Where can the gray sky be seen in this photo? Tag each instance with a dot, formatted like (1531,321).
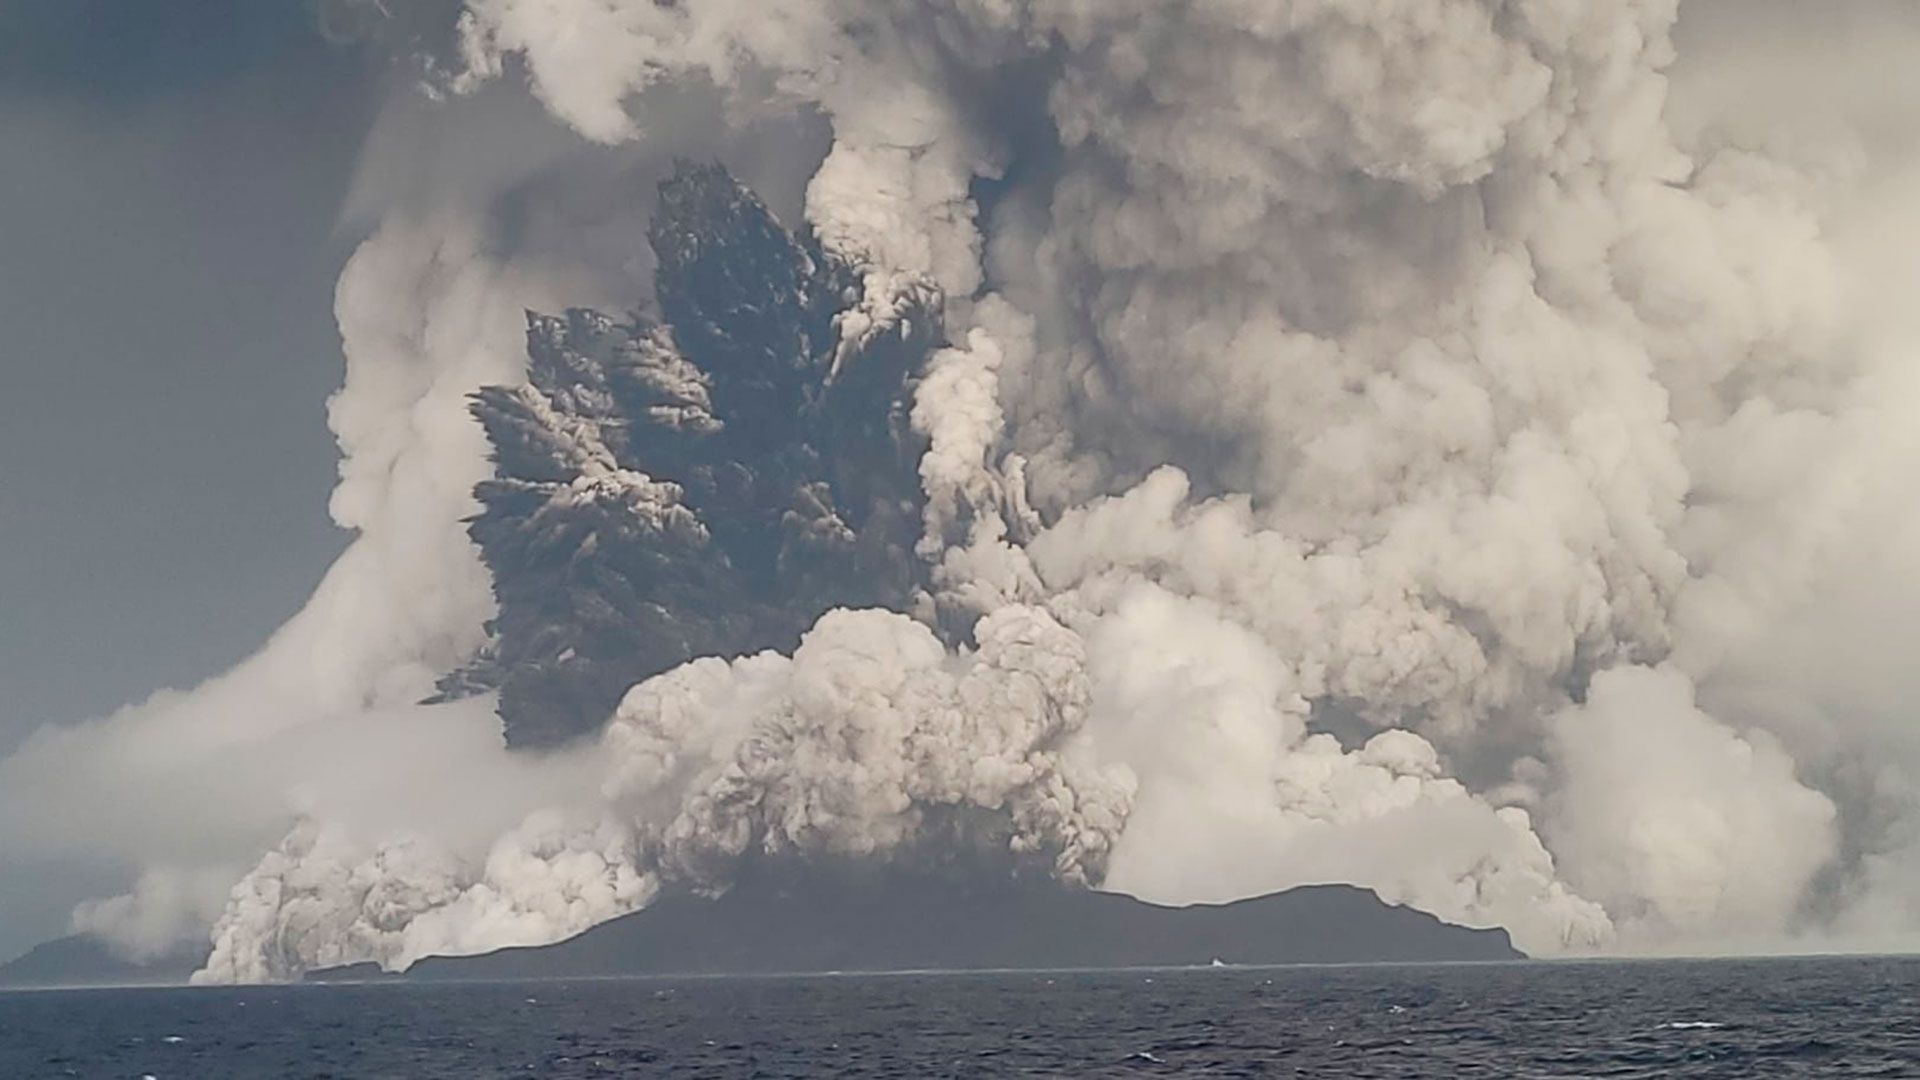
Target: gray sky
(173,174)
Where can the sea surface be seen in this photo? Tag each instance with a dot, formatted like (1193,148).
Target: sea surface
(1771,1018)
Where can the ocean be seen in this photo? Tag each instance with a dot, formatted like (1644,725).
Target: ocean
(1752,1018)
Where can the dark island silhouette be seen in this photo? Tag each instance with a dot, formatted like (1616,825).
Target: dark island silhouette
(842,921)
(857,923)
(85,961)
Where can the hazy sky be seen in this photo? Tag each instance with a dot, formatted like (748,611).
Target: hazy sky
(173,177)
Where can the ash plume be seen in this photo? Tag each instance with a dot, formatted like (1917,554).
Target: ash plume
(1186,449)
(705,485)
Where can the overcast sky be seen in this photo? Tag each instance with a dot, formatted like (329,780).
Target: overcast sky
(174,173)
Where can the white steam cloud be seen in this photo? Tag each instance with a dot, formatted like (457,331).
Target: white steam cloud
(1404,445)
(848,748)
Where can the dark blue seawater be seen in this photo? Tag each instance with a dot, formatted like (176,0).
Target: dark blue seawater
(1776,1018)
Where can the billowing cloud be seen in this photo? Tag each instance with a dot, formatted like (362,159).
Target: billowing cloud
(1668,816)
(1369,444)
(869,737)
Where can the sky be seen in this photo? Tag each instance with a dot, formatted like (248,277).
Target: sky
(170,203)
